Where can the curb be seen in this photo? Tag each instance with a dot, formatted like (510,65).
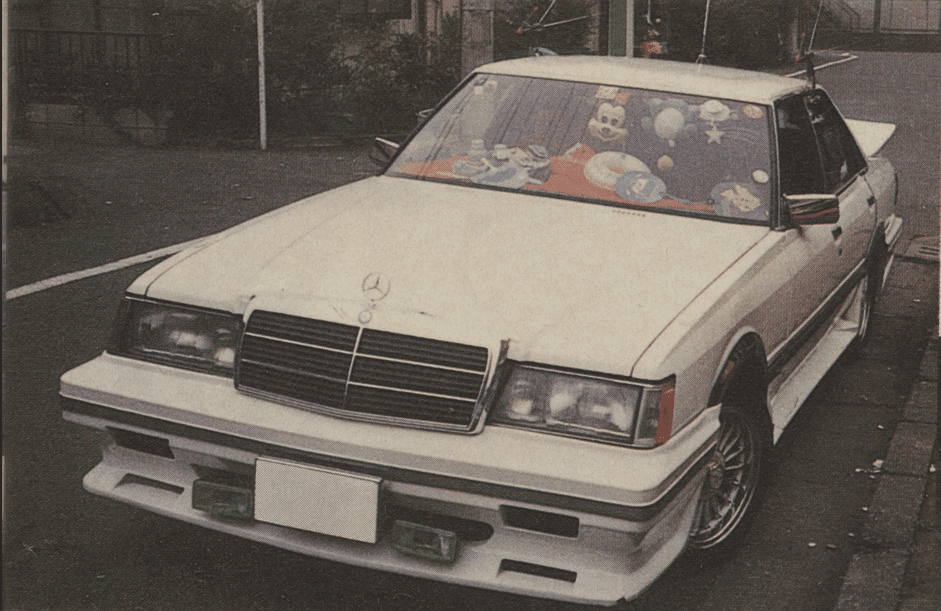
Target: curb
(875,575)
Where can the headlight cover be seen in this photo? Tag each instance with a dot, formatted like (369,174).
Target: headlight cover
(177,335)
(582,405)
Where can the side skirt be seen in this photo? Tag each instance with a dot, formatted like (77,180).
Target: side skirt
(825,351)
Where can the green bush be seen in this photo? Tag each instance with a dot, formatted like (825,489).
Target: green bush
(208,71)
(303,66)
(389,83)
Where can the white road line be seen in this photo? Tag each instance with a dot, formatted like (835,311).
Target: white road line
(101,269)
(821,67)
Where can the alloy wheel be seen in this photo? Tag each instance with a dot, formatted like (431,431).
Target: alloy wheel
(865,307)
(731,481)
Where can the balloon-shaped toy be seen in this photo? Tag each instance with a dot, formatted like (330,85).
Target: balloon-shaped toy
(672,119)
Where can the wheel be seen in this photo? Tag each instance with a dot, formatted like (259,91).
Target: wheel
(867,298)
(868,289)
(733,479)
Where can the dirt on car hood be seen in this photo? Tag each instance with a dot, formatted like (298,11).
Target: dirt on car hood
(566,283)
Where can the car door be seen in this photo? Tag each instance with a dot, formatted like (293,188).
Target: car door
(844,169)
(818,154)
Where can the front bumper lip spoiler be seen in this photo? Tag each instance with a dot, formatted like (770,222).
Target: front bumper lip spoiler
(632,513)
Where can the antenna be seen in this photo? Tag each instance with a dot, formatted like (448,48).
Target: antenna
(705,27)
(809,55)
(809,66)
(813,33)
(540,26)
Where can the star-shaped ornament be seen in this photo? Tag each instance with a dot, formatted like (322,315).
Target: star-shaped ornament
(715,135)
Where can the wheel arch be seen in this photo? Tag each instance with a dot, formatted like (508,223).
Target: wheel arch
(877,256)
(744,372)
(745,437)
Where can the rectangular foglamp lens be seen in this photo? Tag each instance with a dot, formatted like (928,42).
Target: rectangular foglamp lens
(222,500)
(424,541)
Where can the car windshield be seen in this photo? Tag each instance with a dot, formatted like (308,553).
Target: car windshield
(599,143)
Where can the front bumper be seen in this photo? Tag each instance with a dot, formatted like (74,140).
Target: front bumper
(528,540)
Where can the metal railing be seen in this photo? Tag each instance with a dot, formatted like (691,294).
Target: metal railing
(58,66)
(910,16)
(845,16)
(880,16)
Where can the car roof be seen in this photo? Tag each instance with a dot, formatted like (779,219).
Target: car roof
(656,75)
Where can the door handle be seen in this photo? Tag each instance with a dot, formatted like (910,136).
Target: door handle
(837,232)
(871,201)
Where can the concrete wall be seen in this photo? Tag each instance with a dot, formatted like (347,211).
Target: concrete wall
(73,122)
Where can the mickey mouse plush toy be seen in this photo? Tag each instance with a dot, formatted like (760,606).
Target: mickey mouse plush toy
(608,123)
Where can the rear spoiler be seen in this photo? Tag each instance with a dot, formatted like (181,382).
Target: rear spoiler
(870,135)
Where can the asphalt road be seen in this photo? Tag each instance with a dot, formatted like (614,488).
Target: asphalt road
(66,549)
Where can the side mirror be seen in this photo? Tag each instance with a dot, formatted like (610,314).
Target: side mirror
(814,208)
(382,151)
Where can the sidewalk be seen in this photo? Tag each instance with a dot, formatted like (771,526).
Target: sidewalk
(898,567)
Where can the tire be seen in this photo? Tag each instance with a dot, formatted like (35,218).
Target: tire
(867,300)
(869,288)
(734,479)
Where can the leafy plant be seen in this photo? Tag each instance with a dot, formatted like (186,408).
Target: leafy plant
(316,85)
(206,58)
(389,83)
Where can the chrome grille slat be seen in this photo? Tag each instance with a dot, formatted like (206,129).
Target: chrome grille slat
(430,395)
(296,343)
(419,349)
(292,371)
(321,333)
(406,362)
(292,356)
(391,403)
(362,373)
(415,377)
(303,388)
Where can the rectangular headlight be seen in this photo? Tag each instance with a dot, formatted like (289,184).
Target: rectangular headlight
(583,405)
(177,335)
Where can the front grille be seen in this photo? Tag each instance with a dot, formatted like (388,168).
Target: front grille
(361,373)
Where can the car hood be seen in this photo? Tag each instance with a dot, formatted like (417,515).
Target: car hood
(556,281)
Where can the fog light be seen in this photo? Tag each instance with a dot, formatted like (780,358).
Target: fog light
(222,500)
(424,541)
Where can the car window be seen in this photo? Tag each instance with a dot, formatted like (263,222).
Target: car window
(593,142)
(840,155)
(799,158)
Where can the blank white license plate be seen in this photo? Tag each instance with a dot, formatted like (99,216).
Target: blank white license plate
(317,499)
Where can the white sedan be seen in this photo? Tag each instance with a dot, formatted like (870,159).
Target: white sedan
(545,352)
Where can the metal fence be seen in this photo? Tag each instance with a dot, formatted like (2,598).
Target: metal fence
(881,16)
(68,66)
(842,14)
(910,16)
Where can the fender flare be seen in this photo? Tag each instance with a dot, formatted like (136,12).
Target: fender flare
(745,357)
(877,256)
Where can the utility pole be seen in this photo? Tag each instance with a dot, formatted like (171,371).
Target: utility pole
(262,112)
(476,34)
(621,28)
